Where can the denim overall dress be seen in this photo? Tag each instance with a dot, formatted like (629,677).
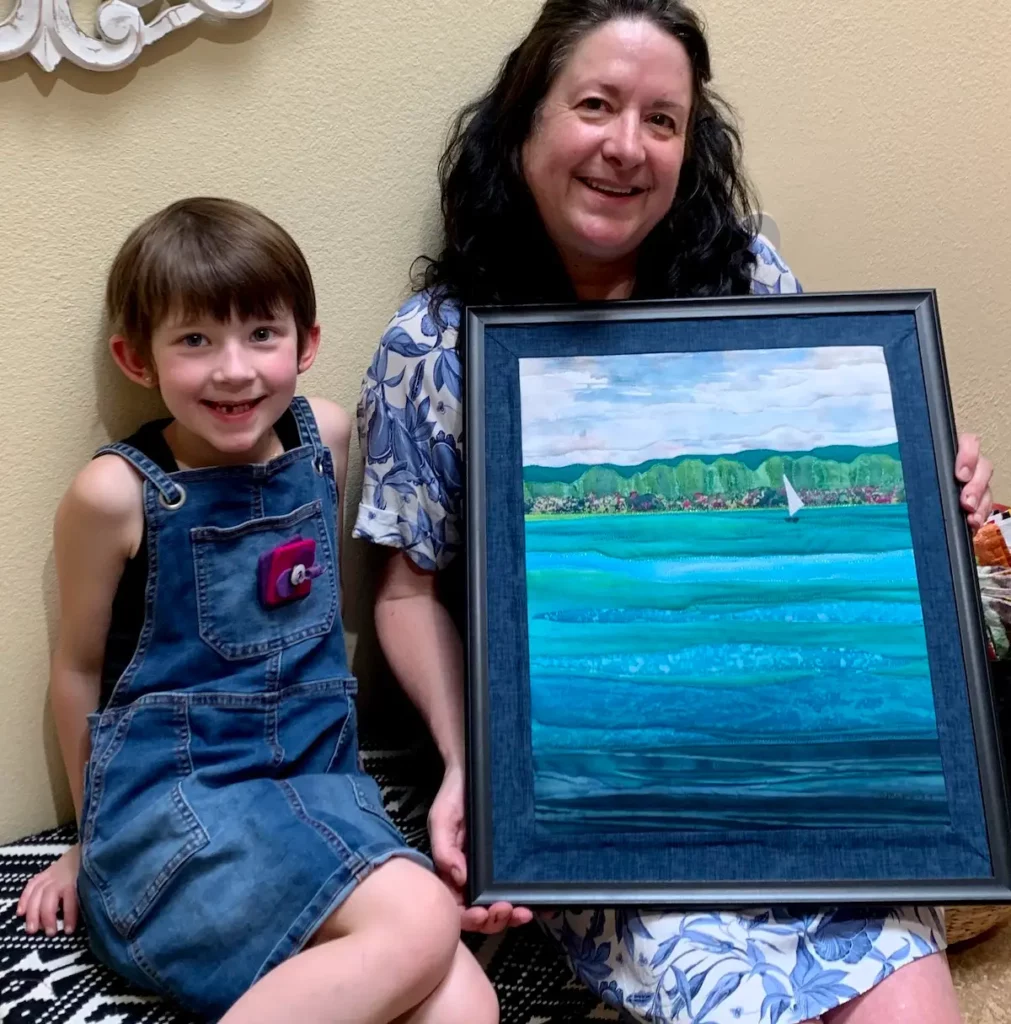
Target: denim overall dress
(225,814)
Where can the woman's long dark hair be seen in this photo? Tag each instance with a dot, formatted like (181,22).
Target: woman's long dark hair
(495,247)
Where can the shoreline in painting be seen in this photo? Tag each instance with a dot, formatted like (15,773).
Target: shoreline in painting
(824,477)
(533,517)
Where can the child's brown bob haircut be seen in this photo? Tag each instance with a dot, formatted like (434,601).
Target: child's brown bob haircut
(207,257)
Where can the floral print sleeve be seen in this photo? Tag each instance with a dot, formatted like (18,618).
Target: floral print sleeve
(771,275)
(410,415)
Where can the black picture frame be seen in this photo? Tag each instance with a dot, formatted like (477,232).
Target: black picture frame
(495,339)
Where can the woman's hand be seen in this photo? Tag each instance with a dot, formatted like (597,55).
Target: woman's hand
(447,829)
(974,472)
(47,891)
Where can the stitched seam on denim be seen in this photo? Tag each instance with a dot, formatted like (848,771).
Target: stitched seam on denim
(257,510)
(111,747)
(273,740)
(245,472)
(135,954)
(273,673)
(363,802)
(304,417)
(201,536)
(336,900)
(224,699)
(149,469)
(295,801)
(198,839)
(271,716)
(151,531)
(127,923)
(216,533)
(186,748)
(331,477)
(339,746)
(99,768)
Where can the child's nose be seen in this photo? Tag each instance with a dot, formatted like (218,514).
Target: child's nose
(234,365)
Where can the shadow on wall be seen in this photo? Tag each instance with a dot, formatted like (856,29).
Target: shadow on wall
(60,789)
(224,32)
(121,405)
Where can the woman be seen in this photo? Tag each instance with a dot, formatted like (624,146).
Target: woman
(601,165)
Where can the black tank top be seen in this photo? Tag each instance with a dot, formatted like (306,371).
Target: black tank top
(128,605)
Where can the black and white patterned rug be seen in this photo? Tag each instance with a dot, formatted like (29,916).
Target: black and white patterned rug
(56,981)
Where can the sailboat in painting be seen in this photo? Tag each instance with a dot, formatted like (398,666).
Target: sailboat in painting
(793,500)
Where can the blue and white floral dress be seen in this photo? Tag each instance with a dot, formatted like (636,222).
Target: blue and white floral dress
(768,967)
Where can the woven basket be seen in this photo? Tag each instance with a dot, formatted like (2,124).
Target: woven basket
(969,922)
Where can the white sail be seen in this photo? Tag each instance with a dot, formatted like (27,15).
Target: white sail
(793,499)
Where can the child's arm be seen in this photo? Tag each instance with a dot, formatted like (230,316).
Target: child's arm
(99,525)
(335,432)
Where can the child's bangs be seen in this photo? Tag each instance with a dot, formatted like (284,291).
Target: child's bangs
(244,285)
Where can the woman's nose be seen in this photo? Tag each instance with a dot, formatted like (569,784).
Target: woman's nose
(623,145)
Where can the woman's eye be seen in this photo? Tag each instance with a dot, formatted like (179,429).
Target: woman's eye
(594,103)
(262,334)
(664,121)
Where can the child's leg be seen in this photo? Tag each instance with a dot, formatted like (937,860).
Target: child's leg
(921,991)
(466,996)
(380,954)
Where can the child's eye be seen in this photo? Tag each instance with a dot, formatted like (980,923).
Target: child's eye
(262,334)
(193,340)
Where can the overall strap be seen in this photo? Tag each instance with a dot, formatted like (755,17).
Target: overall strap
(170,494)
(307,429)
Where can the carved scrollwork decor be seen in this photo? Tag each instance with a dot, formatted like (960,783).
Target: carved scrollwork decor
(48,31)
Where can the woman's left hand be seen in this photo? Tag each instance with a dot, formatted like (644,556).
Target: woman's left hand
(974,471)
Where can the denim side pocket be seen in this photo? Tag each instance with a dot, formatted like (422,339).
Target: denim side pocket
(231,618)
(132,866)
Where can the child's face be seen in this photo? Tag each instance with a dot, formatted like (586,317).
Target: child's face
(229,383)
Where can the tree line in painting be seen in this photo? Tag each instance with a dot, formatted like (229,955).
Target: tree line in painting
(838,475)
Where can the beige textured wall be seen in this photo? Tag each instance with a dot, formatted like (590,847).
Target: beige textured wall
(878,135)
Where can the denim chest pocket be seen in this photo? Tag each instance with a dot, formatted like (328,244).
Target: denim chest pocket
(231,617)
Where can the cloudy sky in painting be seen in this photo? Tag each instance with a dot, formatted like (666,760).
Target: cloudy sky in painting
(627,409)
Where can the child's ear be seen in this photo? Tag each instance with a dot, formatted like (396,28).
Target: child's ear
(131,363)
(309,349)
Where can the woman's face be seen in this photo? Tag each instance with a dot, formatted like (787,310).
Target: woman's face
(605,152)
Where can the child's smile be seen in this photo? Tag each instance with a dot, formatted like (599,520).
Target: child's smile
(233,411)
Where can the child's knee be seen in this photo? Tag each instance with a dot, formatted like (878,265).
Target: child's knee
(425,930)
(468,997)
(431,914)
(482,1002)
(416,911)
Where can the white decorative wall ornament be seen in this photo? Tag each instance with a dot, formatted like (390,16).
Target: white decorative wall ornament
(48,31)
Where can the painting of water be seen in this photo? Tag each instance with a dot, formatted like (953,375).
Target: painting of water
(724,618)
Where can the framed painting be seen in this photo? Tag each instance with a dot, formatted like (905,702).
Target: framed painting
(724,638)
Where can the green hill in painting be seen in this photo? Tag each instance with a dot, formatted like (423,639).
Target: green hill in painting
(843,474)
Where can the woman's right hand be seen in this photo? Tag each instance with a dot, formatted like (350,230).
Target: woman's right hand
(47,891)
(447,830)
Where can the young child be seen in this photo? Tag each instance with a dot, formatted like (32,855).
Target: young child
(233,856)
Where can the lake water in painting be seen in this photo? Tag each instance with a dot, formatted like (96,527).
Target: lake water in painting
(729,669)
